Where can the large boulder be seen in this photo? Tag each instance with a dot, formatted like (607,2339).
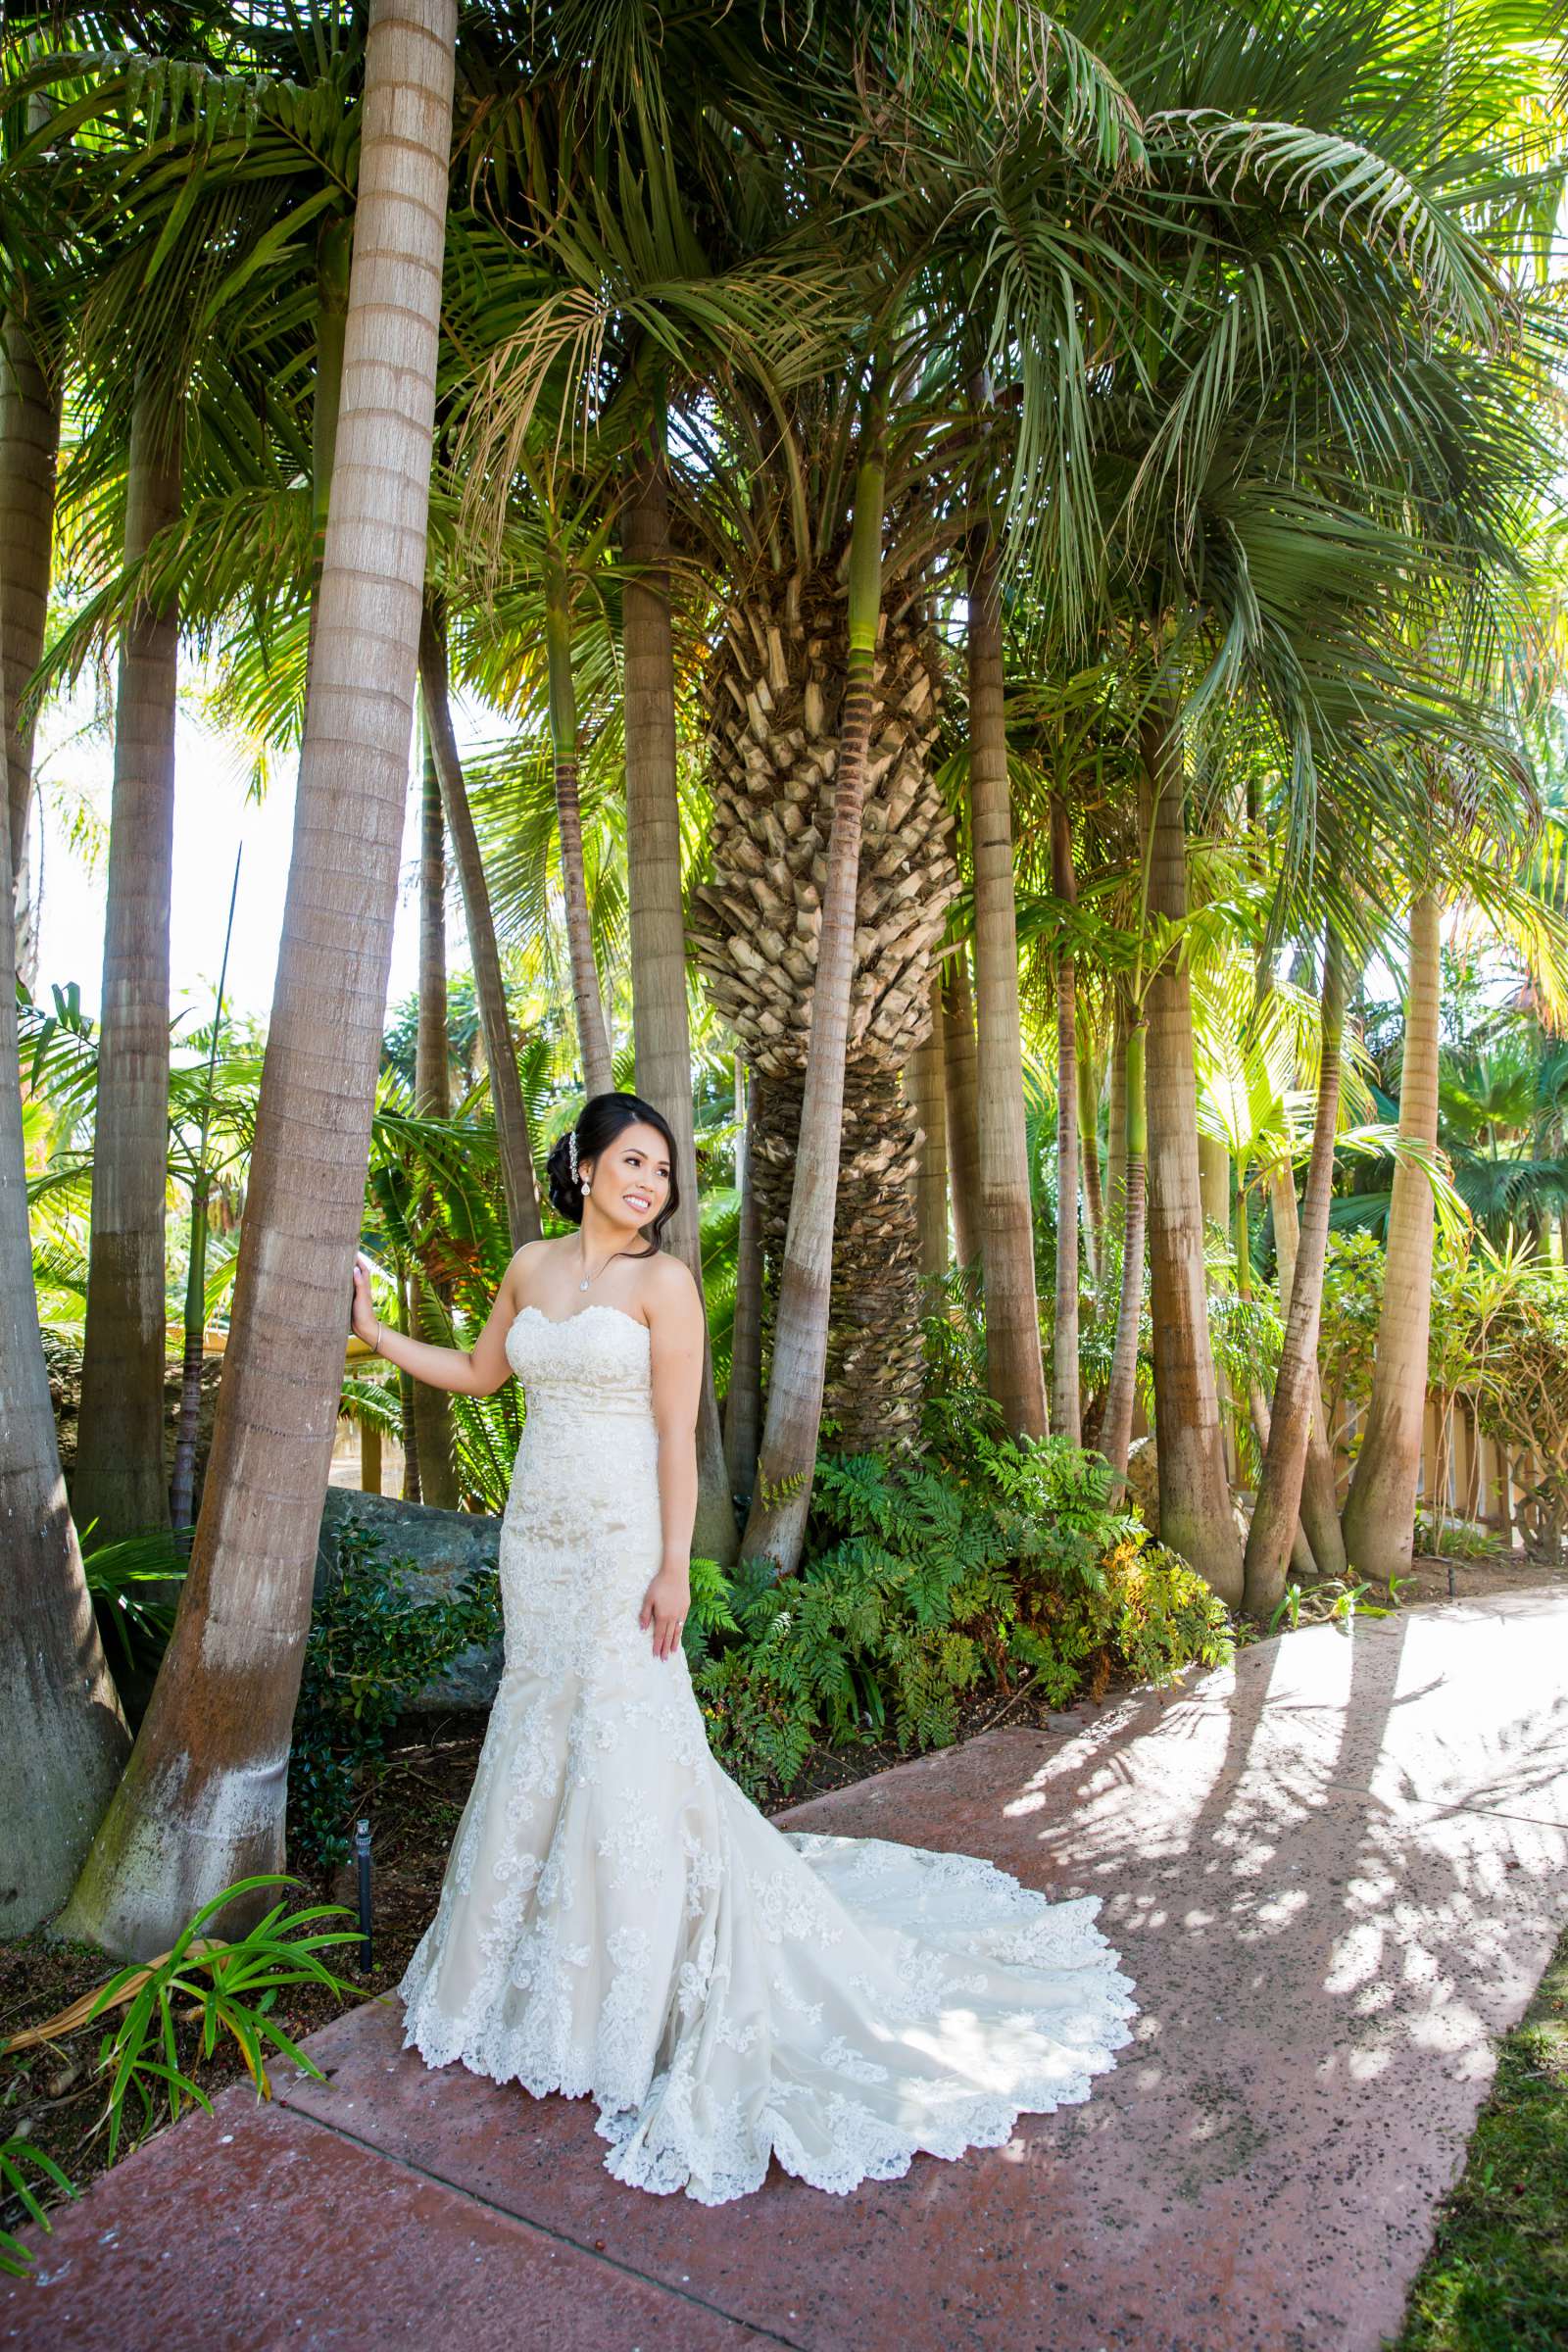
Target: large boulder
(439,1549)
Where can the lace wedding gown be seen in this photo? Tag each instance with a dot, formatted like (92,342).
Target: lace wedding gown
(618,1920)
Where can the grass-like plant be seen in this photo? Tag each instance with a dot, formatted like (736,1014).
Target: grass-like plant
(228,1987)
(17,2157)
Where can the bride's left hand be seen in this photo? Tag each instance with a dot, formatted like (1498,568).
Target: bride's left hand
(664,1607)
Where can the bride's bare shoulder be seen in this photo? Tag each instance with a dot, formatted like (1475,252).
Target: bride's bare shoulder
(526,1264)
(666,1288)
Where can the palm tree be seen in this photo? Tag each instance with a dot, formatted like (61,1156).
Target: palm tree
(775,1526)
(202,1801)
(775,694)
(662,1027)
(1064,1399)
(505,1089)
(1015,1366)
(960,1088)
(119,1483)
(64,1737)
(1194,1505)
(1379,1515)
(432,1100)
(29,442)
(1298,1394)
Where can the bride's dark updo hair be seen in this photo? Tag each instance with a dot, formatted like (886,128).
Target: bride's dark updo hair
(602,1118)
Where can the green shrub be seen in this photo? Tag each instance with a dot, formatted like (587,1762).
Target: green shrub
(926,1578)
(371,1647)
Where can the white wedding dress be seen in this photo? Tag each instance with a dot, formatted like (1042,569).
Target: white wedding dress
(618,1920)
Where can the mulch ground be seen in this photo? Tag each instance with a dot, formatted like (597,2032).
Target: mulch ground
(51,2095)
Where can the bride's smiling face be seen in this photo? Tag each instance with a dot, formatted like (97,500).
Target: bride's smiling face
(630,1178)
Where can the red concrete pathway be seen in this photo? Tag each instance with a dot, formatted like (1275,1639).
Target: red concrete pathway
(1334,1875)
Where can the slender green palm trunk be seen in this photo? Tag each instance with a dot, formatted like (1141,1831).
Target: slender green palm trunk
(658,918)
(501,1053)
(1320,1505)
(1194,1505)
(1116,1421)
(120,1481)
(429,1303)
(926,1082)
(1295,1389)
(1065,1409)
(593,1037)
(1015,1366)
(30,444)
(63,1739)
(1380,1509)
(960,1087)
(1088,1081)
(202,1803)
(743,1404)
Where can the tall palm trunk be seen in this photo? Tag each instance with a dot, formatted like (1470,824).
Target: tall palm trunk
(432,1100)
(1015,1368)
(1117,1119)
(1116,1421)
(1089,1147)
(1320,1503)
(63,1739)
(119,1478)
(743,1405)
(658,919)
(592,1036)
(961,1081)
(1295,1389)
(927,1088)
(506,1087)
(1065,1409)
(30,443)
(202,1801)
(775,1526)
(1195,1506)
(1380,1509)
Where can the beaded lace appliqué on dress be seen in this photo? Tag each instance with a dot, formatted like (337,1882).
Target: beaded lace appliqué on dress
(618,1921)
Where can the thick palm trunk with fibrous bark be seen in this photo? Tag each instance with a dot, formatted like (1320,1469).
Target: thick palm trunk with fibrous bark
(63,1739)
(432,1100)
(662,1029)
(1116,1421)
(961,1083)
(1296,1389)
(1195,1505)
(925,1080)
(506,1088)
(1380,1509)
(775,697)
(1065,1409)
(119,1476)
(1015,1366)
(775,1526)
(30,443)
(202,1802)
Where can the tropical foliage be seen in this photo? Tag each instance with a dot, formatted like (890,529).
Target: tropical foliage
(976,603)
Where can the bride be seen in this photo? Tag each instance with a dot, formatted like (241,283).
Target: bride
(616,1919)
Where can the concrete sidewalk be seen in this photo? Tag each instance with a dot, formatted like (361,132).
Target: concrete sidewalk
(1335,1875)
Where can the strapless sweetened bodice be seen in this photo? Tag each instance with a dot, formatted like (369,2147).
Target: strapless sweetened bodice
(582,1533)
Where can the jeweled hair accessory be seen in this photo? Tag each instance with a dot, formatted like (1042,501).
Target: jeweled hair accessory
(571,1154)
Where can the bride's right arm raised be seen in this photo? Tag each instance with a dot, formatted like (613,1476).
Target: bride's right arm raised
(476,1371)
